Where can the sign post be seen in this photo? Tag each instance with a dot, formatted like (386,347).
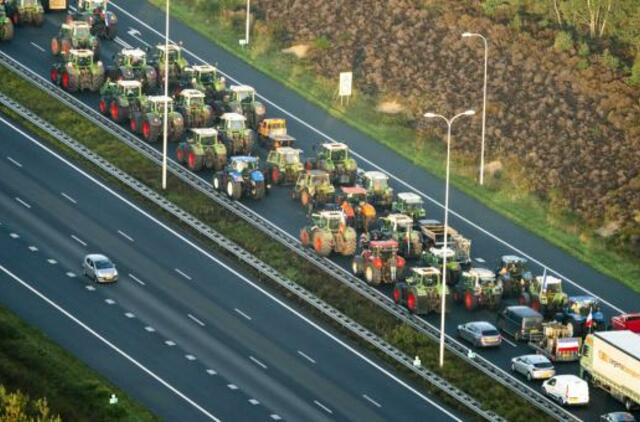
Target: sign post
(344,90)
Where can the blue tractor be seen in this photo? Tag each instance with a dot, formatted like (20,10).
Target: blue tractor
(241,176)
(576,311)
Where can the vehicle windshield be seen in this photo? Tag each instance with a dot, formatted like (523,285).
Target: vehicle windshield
(206,77)
(132,92)
(173,56)
(583,308)
(378,184)
(320,180)
(208,140)
(291,157)
(103,265)
(137,61)
(531,322)
(82,32)
(235,124)
(339,155)
(84,61)
(334,223)
(245,96)
(196,101)
(29,2)
(160,105)
(554,288)
(515,268)
(412,206)
(490,332)
(239,165)
(486,279)
(543,365)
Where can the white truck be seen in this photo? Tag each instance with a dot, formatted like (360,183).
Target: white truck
(611,361)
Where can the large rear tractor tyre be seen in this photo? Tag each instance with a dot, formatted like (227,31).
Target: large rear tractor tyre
(180,155)
(259,191)
(305,237)
(234,190)
(117,114)
(103,107)
(372,275)
(356,266)
(470,301)
(396,295)
(305,198)
(194,162)
(321,243)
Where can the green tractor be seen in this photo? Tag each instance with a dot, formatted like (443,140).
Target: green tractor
(411,204)
(234,133)
(478,287)
(421,292)
(190,103)
(313,188)
(379,193)
(121,99)
(335,159)
(204,78)
(177,63)
(513,273)
(24,12)
(149,120)
(131,64)
(103,22)
(6,25)
(328,233)
(545,295)
(74,34)
(399,227)
(458,253)
(202,149)
(241,99)
(79,72)
(284,165)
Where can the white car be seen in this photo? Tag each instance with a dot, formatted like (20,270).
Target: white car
(567,389)
(99,268)
(534,367)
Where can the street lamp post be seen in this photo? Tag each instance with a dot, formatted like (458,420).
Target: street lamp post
(166,97)
(446,220)
(484,98)
(246,27)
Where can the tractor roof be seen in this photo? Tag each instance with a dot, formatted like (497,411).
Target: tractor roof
(78,24)
(241,88)
(81,52)
(172,47)
(288,150)
(384,244)
(317,172)
(232,116)
(160,99)
(334,146)
(331,214)
(274,121)
(191,93)
(549,280)
(400,219)
(429,222)
(440,252)
(205,131)
(426,271)
(375,175)
(203,68)
(244,158)
(354,190)
(129,84)
(481,272)
(583,299)
(509,259)
(133,52)
(410,198)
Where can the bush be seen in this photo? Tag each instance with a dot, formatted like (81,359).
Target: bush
(563,41)
(635,72)
(584,50)
(609,60)
(322,43)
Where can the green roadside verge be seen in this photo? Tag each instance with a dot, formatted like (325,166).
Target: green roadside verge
(492,396)
(506,193)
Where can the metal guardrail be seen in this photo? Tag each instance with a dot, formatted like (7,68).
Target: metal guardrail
(252,261)
(264,225)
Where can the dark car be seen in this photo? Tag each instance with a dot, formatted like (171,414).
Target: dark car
(521,322)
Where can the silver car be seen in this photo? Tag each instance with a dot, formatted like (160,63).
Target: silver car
(534,367)
(480,334)
(99,268)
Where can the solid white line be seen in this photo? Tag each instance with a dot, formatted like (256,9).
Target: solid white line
(182,274)
(196,320)
(190,357)
(257,362)
(23,202)
(52,261)
(126,236)
(109,344)
(369,399)
(231,270)
(306,356)
(242,313)
(38,47)
(77,239)
(33,248)
(136,279)
(69,198)
(509,342)
(323,407)
(14,235)
(16,162)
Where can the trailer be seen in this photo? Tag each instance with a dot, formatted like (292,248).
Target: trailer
(557,343)
(611,360)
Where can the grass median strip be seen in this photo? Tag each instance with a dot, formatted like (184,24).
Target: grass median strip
(492,396)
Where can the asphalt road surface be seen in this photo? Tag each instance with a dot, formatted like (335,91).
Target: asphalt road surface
(492,234)
(189,335)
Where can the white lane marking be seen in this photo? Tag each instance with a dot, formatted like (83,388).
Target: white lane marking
(254,402)
(211,372)
(135,34)
(275,416)
(23,202)
(242,313)
(90,287)
(187,276)
(257,362)
(77,239)
(136,279)
(150,329)
(122,42)
(126,236)
(509,342)
(14,235)
(52,261)
(196,320)
(110,301)
(71,274)
(323,407)
(111,345)
(190,357)
(129,315)
(228,268)
(14,161)
(33,248)
(370,400)
(232,386)
(38,47)
(170,343)
(480,260)
(304,355)
(73,201)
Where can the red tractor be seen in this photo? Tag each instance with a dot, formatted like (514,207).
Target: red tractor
(379,262)
(629,322)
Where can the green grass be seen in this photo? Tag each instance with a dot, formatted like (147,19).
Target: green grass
(491,396)
(507,194)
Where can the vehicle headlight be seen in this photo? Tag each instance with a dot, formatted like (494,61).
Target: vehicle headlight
(260,109)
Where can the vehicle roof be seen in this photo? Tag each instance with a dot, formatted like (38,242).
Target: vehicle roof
(203,67)
(81,52)
(440,252)
(331,213)
(353,190)
(583,298)
(335,146)
(425,270)
(79,23)
(191,93)
(483,325)
(481,272)
(512,258)
(97,257)
(136,52)
(375,175)
(409,197)
(570,378)
(171,47)
(233,116)
(621,416)
(205,131)
(288,150)
(622,339)
(430,222)
(535,358)
(159,99)
(130,84)
(241,88)
(400,218)
(549,279)
(275,120)
(245,158)
(524,311)
(383,244)
(317,172)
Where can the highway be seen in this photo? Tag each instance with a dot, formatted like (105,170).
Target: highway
(492,234)
(183,331)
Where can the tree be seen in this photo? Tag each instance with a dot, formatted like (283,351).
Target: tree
(592,15)
(16,407)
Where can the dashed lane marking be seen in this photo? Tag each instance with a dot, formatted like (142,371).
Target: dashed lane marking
(254,402)
(14,235)
(190,357)
(187,276)
(14,161)
(370,400)
(71,274)
(136,279)
(129,315)
(52,261)
(211,372)
(323,407)
(170,343)
(242,313)
(110,301)
(232,386)
(33,248)
(90,288)
(275,417)
(77,239)
(38,47)
(257,362)
(150,329)
(70,199)
(23,202)
(126,236)
(307,357)
(196,320)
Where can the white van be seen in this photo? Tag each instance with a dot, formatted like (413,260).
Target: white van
(567,389)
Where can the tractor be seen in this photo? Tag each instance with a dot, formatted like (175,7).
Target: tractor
(149,120)
(379,262)
(313,188)
(409,203)
(353,201)
(284,165)
(242,176)
(191,105)
(544,295)
(512,271)
(131,64)
(576,313)
(272,134)
(6,25)
(379,192)
(422,291)
(241,99)
(25,12)
(234,133)
(104,23)
(478,287)
(74,34)
(334,158)
(458,252)
(55,5)
(399,227)
(202,149)
(78,72)
(204,78)
(121,99)
(329,232)
(177,63)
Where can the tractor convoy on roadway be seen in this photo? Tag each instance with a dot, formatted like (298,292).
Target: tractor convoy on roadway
(387,236)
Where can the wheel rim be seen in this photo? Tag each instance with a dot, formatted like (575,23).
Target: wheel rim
(396,295)
(275,175)
(230,188)
(317,243)
(115,111)
(55,47)
(180,156)
(468,300)
(354,267)
(216,183)
(192,160)
(304,198)
(368,274)
(146,130)
(54,75)
(304,237)
(65,80)
(134,125)
(103,106)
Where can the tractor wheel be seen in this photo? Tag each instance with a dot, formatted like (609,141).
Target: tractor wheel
(411,302)
(65,46)
(259,191)
(7,32)
(305,198)
(276,175)
(219,162)
(54,75)
(470,301)
(372,275)
(217,182)
(149,133)
(116,112)
(64,80)
(349,242)
(524,299)
(396,295)
(535,304)
(356,266)
(194,161)
(457,298)
(180,154)
(73,82)
(304,237)
(103,107)
(234,190)
(321,244)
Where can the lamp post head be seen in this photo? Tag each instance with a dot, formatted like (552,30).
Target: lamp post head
(469,112)
(467,34)
(430,115)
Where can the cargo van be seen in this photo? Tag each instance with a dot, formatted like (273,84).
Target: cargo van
(521,322)
(567,389)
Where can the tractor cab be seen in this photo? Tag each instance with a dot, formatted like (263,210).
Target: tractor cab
(207,76)
(336,152)
(273,127)
(438,254)
(80,58)
(424,276)
(27,3)
(157,103)
(243,94)
(397,223)
(480,277)
(354,195)
(233,122)
(583,305)
(131,89)
(287,156)
(78,30)
(203,136)
(375,181)
(514,266)
(318,178)
(92,6)
(547,285)
(173,53)
(191,98)
(242,163)
(384,249)
(133,57)
(331,220)
(410,204)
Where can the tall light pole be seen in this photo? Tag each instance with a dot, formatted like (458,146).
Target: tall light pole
(246,28)
(484,98)
(446,220)
(166,99)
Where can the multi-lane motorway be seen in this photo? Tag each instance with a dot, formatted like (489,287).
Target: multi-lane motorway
(183,331)
(491,233)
